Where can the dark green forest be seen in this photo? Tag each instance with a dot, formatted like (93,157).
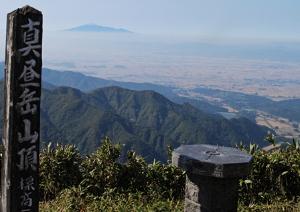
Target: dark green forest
(143,121)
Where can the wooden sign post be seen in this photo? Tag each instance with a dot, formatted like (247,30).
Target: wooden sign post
(21,136)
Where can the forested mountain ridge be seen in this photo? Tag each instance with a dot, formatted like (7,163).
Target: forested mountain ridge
(144,121)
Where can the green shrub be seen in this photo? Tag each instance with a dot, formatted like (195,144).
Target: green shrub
(166,179)
(134,174)
(62,167)
(69,200)
(100,170)
(152,179)
(274,175)
(59,169)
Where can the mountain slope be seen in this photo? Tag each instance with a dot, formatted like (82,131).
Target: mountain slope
(141,120)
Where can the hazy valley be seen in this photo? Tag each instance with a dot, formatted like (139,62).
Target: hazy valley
(221,78)
(265,68)
(281,116)
(182,64)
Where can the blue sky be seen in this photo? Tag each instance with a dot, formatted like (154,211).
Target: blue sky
(278,19)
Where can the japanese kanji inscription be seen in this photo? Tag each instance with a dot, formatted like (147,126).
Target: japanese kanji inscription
(23,64)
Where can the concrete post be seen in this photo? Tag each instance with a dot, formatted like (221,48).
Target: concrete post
(212,176)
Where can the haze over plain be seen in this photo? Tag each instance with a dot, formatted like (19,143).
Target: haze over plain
(248,46)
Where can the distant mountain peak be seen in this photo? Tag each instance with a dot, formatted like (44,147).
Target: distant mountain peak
(97,28)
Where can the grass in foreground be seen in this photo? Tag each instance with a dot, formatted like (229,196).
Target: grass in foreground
(273,207)
(71,200)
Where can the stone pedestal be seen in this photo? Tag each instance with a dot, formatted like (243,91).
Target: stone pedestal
(212,176)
